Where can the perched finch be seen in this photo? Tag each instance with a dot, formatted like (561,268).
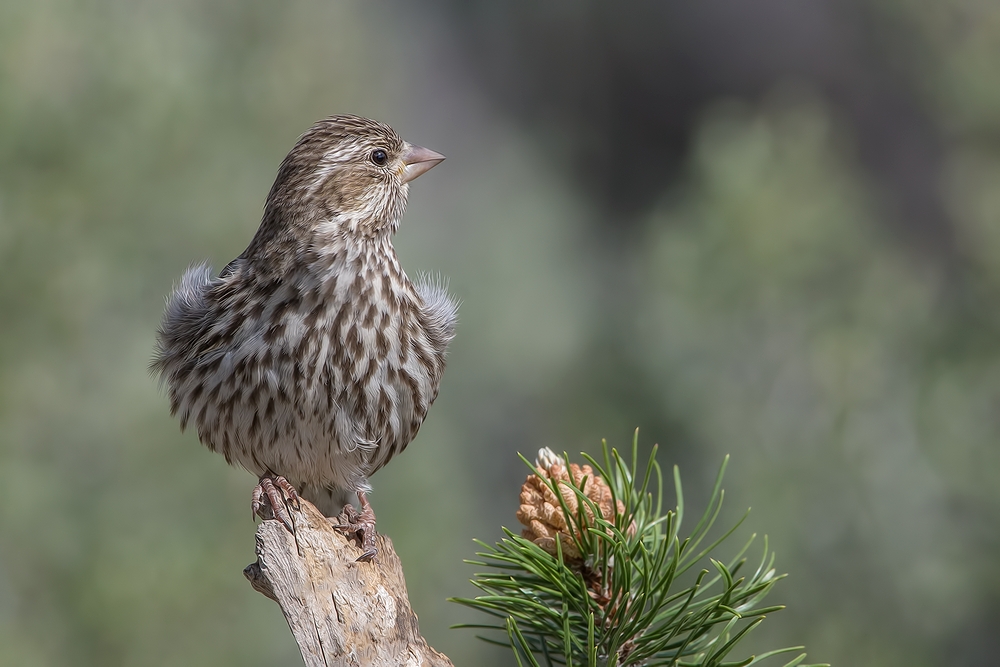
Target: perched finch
(312,359)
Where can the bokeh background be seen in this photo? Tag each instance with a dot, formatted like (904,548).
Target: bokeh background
(769,229)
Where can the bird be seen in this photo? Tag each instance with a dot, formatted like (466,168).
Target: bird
(312,359)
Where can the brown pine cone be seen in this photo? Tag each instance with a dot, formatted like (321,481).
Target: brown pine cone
(541,513)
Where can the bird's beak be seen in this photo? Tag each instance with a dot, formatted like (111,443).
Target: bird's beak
(418,160)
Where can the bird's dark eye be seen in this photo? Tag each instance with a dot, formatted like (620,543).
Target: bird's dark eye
(379,157)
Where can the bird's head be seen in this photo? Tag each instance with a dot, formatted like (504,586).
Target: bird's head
(347,175)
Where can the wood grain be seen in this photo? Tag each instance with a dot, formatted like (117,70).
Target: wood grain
(341,612)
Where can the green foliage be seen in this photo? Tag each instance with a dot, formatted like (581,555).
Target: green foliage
(636,598)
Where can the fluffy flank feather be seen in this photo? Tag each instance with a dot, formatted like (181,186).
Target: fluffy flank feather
(440,307)
(184,317)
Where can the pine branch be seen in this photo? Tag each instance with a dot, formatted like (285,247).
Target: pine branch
(602,577)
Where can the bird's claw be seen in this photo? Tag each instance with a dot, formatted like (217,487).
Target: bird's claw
(361,527)
(279,496)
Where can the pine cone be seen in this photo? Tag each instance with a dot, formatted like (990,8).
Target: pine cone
(541,512)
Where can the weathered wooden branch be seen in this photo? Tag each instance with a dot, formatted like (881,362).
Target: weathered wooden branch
(341,612)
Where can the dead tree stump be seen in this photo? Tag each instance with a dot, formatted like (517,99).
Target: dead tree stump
(340,612)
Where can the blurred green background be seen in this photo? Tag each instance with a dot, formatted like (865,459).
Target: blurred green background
(769,229)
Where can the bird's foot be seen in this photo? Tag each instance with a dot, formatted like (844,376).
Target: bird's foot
(361,527)
(279,495)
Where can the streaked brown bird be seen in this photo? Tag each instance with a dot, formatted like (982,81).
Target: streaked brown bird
(312,359)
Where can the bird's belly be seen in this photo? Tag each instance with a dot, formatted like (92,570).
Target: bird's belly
(326,426)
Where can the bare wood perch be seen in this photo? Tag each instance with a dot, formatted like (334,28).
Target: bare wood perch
(341,612)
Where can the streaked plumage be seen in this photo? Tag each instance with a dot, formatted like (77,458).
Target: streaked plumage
(312,356)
